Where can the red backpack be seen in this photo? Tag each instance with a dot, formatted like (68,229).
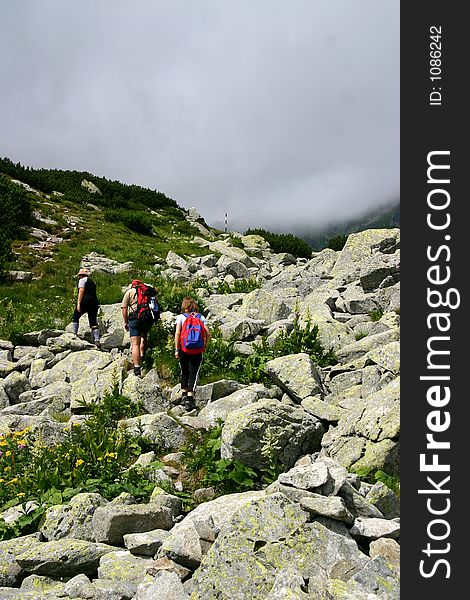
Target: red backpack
(146,296)
(192,334)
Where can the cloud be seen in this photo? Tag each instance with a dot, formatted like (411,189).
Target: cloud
(278,113)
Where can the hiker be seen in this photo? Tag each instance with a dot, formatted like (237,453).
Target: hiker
(87,302)
(139,311)
(191,338)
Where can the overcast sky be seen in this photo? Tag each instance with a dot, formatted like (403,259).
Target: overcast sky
(278,112)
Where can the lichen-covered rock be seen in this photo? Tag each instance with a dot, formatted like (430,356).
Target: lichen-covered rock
(121,565)
(327,506)
(74,367)
(14,385)
(380,578)
(112,522)
(266,536)
(296,374)
(358,349)
(67,341)
(373,528)
(269,426)
(165,586)
(305,477)
(264,304)
(160,428)
(146,543)
(73,519)
(359,248)
(146,390)
(388,549)
(385,500)
(61,558)
(221,408)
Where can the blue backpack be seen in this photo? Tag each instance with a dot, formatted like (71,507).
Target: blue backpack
(192,334)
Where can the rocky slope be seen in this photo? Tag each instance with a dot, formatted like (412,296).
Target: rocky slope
(318,531)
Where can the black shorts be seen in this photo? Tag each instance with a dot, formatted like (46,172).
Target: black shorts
(138,328)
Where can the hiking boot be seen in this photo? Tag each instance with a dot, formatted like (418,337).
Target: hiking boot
(98,344)
(137,371)
(189,404)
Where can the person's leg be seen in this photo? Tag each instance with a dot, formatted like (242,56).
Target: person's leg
(135,344)
(75,321)
(135,349)
(93,321)
(184,372)
(143,346)
(195,361)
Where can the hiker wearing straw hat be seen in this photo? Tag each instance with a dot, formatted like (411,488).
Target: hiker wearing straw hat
(87,302)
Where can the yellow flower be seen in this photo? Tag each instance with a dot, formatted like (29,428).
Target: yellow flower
(79,462)
(3,442)
(111,454)
(21,442)
(8,453)
(7,468)
(14,480)
(76,425)
(21,494)
(1,480)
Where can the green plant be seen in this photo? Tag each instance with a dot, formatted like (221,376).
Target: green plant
(93,456)
(270,451)
(236,242)
(376,315)
(133,220)
(374,475)
(337,243)
(206,467)
(239,285)
(360,335)
(284,242)
(15,212)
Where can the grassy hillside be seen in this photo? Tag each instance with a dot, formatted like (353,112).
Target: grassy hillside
(82,219)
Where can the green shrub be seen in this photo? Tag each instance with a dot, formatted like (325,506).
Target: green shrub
(376,315)
(206,467)
(15,212)
(238,286)
(92,457)
(284,242)
(337,243)
(139,222)
(221,358)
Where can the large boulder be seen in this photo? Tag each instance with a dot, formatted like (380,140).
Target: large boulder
(73,367)
(264,304)
(111,522)
(359,249)
(269,535)
(72,520)
(296,374)
(269,430)
(61,558)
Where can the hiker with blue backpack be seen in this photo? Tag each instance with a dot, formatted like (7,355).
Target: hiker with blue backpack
(140,310)
(191,338)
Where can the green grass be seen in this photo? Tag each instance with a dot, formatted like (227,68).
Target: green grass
(48,301)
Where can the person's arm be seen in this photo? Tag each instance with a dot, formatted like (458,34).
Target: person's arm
(207,335)
(81,293)
(125,317)
(177,339)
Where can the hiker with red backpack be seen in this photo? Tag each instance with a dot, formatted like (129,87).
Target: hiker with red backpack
(191,338)
(139,311)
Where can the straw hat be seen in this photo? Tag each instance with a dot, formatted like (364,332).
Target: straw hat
(83,271)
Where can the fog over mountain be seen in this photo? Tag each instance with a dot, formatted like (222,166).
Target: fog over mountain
(280,114)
